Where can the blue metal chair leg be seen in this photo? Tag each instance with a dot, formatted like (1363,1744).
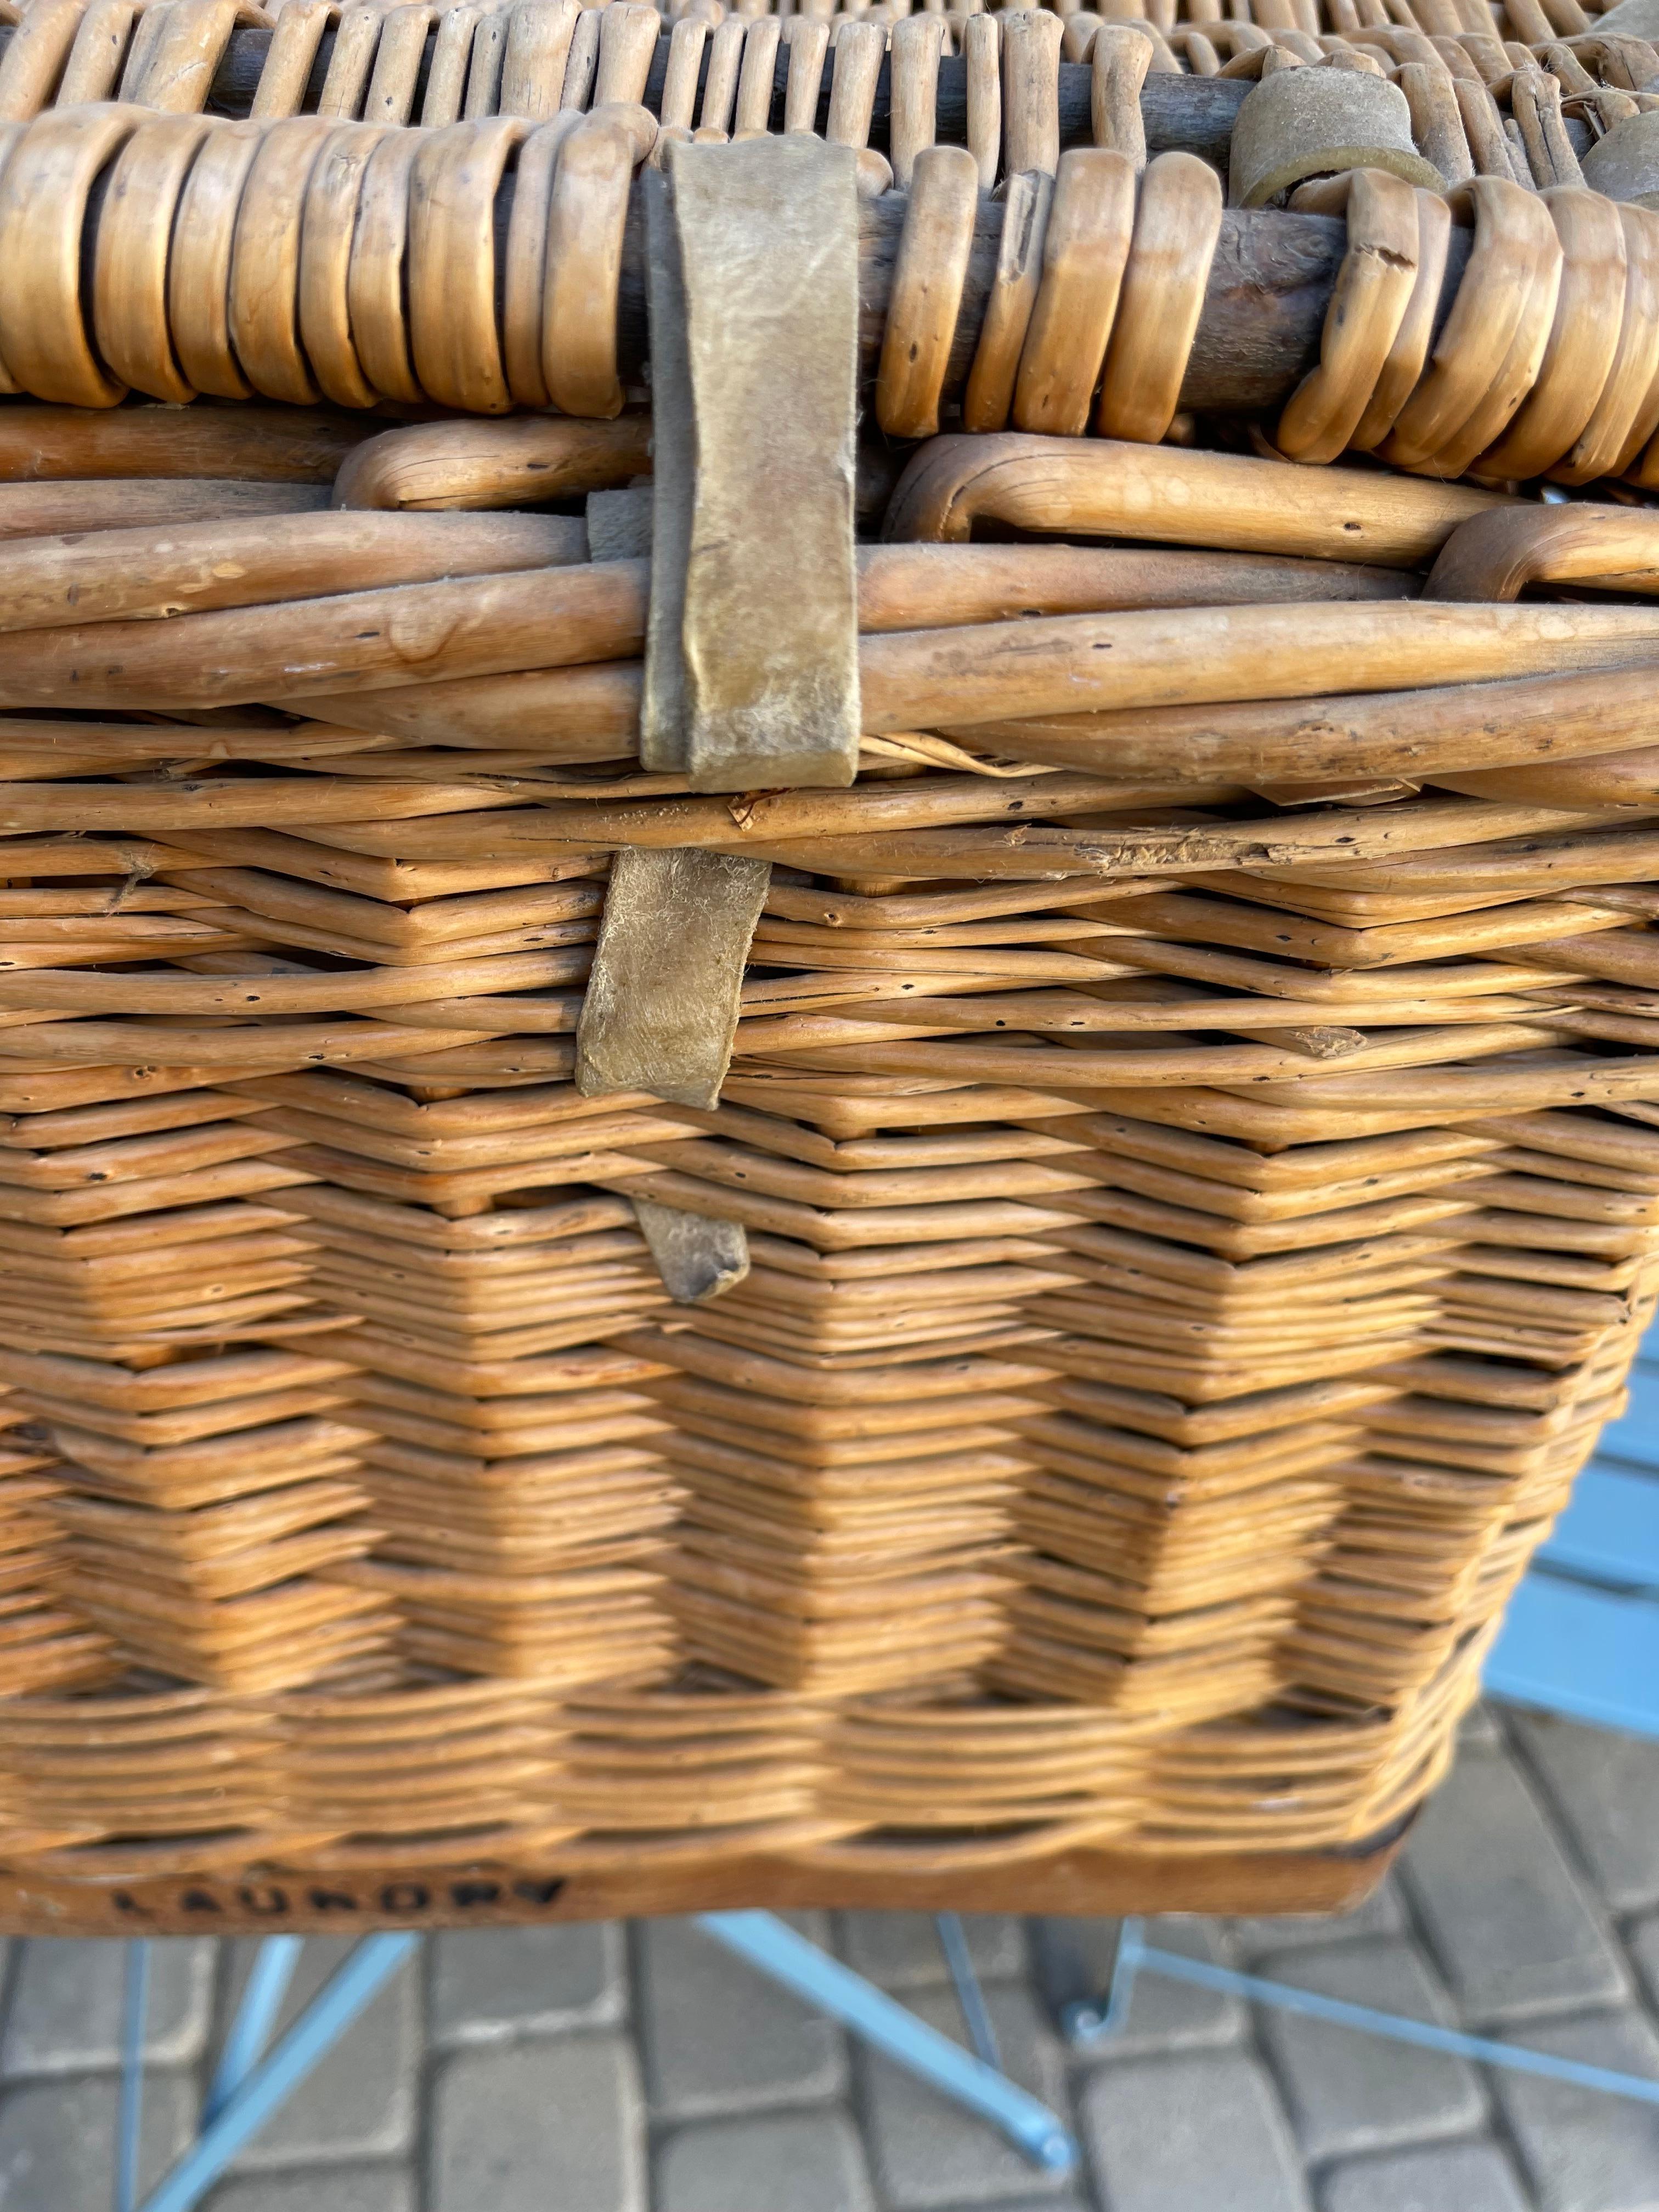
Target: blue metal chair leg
(773,1947)
(256,2015)
(970,1998)
(130,2122)
(1090,2021)
(264,2087)
(1089,2026)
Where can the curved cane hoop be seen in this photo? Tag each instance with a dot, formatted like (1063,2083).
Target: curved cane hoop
(265,261)
(524,274)
(586,218)
(327,229)
(375,276)
(198,270)
(1582,345)
(1492,298)
(1091,221)
(1618,408)
(1011,302)
(133,250)
(1162,298)
(398,59)
(44,339)
(539,39)
(454,335)
(928,276)
(1370,300)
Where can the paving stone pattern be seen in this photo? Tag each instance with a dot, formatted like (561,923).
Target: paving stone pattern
(642,2070)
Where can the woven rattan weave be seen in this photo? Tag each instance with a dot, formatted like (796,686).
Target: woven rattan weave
(750,1155)
(1194,1118)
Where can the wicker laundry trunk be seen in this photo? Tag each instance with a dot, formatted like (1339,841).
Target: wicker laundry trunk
(1052,1421)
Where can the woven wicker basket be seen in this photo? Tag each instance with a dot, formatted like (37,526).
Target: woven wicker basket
(1060,1422)
(1195,1128)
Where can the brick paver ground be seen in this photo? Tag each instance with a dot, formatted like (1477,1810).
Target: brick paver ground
(587,2070)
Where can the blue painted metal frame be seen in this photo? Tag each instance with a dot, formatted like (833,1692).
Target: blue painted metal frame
(129,2116)
(249,2086)
(1091,2025)
(256,2017)
(970,1998)
(773,1947)
(1582,1634)
(266,2083)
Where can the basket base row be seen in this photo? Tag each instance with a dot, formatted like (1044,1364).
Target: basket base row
(1076,1880)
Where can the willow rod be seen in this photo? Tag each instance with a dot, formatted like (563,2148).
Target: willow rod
(1194,112)
(1043,666)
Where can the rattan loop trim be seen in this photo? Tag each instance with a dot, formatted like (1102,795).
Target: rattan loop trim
(1177,226)
(1510,247)
(291,57)
(53,167)
(1011,302)
(586,219)
(1583,342)
(1373,295)
(265,262)
(1085,252)
(375,279)
(926,295)
(328,230)
(454,338)
(130,268)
